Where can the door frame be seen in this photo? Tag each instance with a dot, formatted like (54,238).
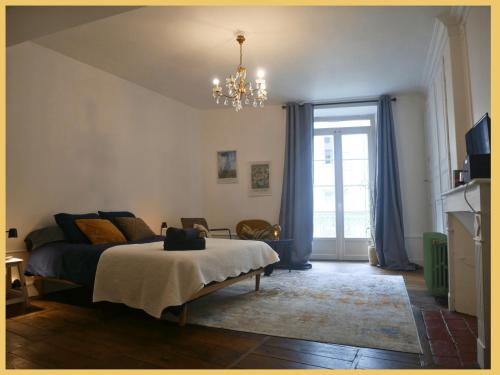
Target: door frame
(326,248)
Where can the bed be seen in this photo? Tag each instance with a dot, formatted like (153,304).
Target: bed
(143,275)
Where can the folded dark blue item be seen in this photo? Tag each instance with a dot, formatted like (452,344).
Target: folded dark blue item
(190,244)
(177,234)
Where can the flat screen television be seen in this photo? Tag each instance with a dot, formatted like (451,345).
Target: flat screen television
(478,139)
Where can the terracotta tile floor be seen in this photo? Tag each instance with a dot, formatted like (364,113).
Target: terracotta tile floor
(452,338)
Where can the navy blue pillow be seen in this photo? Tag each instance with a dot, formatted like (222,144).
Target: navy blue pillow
(67,223)
(112,215)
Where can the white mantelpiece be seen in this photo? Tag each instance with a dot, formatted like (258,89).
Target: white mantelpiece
(468,217)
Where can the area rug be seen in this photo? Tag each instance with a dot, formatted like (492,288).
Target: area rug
(358,310)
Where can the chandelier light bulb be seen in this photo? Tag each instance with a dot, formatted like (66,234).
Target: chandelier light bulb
(260,73)
(216,82)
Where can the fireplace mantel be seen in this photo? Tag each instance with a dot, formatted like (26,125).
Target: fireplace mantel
(468,226)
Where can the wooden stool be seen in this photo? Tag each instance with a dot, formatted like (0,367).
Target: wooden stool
(16,295)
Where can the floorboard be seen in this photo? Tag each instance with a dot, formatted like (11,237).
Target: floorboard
(66,330)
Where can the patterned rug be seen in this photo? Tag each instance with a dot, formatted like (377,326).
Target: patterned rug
(358,310)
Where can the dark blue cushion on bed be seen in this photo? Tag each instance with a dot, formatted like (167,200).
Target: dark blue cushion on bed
(112,215)
(67,223)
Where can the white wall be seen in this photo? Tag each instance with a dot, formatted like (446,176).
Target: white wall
(257,135)
(80,140)
(477,31)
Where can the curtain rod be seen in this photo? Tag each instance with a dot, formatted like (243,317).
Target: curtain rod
(348,102)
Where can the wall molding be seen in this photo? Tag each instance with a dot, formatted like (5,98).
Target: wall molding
(438,41)
(445,24)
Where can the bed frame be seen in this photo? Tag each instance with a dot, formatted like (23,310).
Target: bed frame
(209,288)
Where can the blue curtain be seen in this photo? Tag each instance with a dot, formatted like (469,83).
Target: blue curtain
(296,214)
(389,228)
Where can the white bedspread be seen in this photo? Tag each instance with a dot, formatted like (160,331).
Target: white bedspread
(147,277)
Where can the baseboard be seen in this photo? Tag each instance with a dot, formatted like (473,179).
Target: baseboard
(323,257)
(418,261)
(354,258)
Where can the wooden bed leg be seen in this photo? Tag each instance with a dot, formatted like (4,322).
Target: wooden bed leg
(257,282)
(38,283)
(183,317)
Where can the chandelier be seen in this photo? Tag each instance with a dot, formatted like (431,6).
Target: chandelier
(239,91)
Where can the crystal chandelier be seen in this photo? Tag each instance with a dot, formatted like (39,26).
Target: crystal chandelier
(238,90)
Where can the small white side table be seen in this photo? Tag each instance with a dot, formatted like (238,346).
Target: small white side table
(16,295)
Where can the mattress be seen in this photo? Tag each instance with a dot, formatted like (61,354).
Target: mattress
(146,277)
(70,261)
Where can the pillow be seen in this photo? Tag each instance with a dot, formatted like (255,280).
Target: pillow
(134,228)
(67,223)
(100,231)
(43,236)
(112,215)
(204,232)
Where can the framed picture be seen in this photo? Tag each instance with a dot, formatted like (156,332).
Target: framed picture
(260,178)
(227,172)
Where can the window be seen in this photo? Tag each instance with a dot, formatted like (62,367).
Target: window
(342,176)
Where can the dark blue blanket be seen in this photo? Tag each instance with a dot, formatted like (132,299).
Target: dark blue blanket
(76,262)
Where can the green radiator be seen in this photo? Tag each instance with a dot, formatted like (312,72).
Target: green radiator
(436,263)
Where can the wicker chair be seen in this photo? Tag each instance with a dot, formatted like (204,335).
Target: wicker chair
(188,222)
(252,223)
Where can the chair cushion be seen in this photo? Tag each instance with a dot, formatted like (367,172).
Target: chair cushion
(100,231)
(204,232)
(248,233)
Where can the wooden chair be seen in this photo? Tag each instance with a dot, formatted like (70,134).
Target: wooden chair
(188,222)
(252,223)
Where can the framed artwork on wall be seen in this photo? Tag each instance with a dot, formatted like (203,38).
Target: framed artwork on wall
(260,178)
(227,168)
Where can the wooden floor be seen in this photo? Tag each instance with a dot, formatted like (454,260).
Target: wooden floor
(65,330)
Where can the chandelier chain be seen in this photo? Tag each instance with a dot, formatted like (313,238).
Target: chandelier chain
(241,54)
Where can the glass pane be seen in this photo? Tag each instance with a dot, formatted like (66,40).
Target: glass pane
(342,124)
(355,172)
(324,187)
(324,225)
(356,198)
(355,146)
(356,224)
(356,185)
(324,173)
(324,199)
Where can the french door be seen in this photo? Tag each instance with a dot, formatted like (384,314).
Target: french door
(342,198)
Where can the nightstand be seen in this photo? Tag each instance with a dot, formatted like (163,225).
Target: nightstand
(17,295)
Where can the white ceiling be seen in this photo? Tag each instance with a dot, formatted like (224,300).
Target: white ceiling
(30,22)
(308,53)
